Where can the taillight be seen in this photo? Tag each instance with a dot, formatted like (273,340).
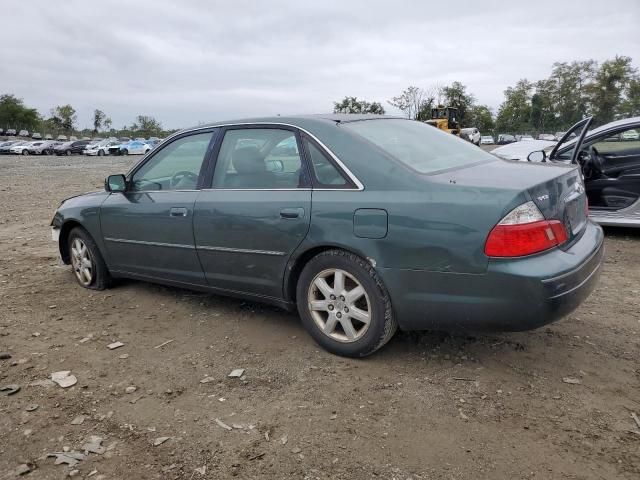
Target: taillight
(524,231)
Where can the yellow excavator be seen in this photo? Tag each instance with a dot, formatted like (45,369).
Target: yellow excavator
(445,118)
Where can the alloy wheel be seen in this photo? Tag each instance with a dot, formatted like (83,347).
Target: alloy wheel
(81,262)
(339,305)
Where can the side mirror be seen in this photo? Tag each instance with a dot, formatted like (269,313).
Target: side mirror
(537,156)
(115,183)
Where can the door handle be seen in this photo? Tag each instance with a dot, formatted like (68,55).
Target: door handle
(178,212)
(292,212)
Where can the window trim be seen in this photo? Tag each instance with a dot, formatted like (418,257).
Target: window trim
(152,153)
(219,127)
(317,185)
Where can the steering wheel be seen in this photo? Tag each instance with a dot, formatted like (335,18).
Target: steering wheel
(181,175)
(590,161)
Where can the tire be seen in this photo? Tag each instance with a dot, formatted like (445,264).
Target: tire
(124,151)
(25,152)
(99,277)
(68,152)
(101,153)
(374,301)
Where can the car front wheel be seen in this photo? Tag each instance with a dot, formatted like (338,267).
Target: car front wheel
(100,153)
(344,305)
(68,152)
(25,152)
(87,262)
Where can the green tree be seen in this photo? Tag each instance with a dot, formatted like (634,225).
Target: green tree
(99,118)
(410,101)
(515,112)
(630,107)
(481,117)
(353,105)
(611,80)
(64,118)
(146,126)
(14,114)
(455,95)
(569,91)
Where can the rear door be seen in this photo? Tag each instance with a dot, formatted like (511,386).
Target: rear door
(255,211)
(148,230)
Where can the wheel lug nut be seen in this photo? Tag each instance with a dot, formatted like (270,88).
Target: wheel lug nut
(339,315)
(332,297)
(346,309)
(342,298)
(330,307)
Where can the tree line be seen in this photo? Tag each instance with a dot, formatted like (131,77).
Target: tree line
(574,90)
(63,119)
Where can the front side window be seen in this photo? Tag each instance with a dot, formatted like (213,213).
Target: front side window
(175,167)
(259,158)
(421,147)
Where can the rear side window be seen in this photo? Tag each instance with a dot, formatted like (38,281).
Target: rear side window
(259,158)
(325,173)
(423,148)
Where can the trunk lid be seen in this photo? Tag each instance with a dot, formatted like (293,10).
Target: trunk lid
(556,189)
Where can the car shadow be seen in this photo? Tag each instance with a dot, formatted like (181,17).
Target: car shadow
(626,233)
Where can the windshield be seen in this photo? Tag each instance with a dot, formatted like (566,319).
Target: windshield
(422,147)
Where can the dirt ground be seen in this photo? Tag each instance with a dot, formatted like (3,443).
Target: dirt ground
(427,406)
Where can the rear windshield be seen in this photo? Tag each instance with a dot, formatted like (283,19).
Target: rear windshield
(422,147)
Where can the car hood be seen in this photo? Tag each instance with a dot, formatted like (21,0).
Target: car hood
(520,150)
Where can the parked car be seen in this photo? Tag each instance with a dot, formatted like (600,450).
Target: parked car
(133,147)
(5,146)
(630,135)
(547,136)
(72,138)
(11,132)
(610,169)
(505,138)
(70,148)
(101,148)
(62,138)
(48,137)
(23,133)
(1,131)
(20,148)
(471,134)
(559,135)
(43,148)
(525,138)
(36,136)
(326,229)
(486,140)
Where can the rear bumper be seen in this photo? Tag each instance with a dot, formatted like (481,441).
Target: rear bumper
(514,295)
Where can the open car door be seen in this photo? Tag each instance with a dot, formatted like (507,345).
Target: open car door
(579,130)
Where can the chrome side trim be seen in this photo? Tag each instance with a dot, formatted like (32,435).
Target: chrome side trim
(240,250)
(150,244)
(346,170)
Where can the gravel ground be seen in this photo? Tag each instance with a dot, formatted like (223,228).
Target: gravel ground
(428,406)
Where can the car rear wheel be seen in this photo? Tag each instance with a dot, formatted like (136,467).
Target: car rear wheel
(100,153)
(87,262)
(124,151)
(344,305)
(25,152)
(68,152)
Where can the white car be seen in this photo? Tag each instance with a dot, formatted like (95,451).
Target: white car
(486,140)
(471,134)
(99,149)
(20,148)
(547,136)
(526,138)
(630,135)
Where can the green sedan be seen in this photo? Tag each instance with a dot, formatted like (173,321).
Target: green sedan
(365,224)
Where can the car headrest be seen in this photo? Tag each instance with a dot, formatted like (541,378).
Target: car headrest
(248,160)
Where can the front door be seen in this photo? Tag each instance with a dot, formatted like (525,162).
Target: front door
(257,211)
(148,230)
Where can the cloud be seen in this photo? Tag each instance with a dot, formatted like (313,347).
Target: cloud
(192,61)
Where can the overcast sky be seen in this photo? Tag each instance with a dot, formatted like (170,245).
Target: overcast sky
(189,61)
